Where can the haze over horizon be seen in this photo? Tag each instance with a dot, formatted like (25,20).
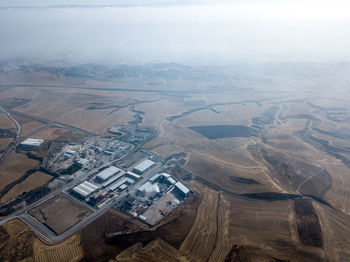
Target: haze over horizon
(176,31)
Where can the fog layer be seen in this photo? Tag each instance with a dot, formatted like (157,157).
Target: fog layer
(220,33)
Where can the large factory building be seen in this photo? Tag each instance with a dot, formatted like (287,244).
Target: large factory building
(105,174)
(143,166)
(85,189)
(31,143)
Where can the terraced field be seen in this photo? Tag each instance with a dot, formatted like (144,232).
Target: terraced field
(268,165)
(223,239)
(200,241)
(157,250)
(70,250)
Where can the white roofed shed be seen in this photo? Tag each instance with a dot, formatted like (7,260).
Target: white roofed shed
(32,142)
(107,173)
(143,166)
(182,188)
(85,189)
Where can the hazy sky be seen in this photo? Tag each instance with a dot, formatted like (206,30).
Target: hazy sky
(204,31)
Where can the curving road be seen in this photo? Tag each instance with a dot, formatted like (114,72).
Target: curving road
(14,120)
(12,146)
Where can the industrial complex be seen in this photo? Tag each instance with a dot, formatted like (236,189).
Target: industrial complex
(101,173)
(112,181)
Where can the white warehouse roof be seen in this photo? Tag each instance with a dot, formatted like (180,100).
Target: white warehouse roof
(165,174)
(171,180)
(113,178)
(108,172)
(182,187)
(133,175)
(32,142)
(85,189)
(144,165)
(154,178)
(120,183)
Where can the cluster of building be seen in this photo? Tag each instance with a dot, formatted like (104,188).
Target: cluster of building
(110,180)
(156,198)
(106,181)
(163,180)
(150,202)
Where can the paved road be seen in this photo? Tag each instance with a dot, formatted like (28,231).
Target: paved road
(13,119)
(57,192)
(12,147)
(41,230)
(51,122)
(49,236)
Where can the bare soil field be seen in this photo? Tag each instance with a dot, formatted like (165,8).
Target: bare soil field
(305,138)
(164,150)
(336,229)
(32,182)
(338,194)
(246,253)
(308,224)
(28,125)
(298,175)
(200,241)
(15,167)
(70,212)
(6,122)
(181,221)
(16,242)
(173,230)
(69,250)
(222,175)
(59,135)
(77,108)
(223,239)
(230,114)
(95,244)
(154,113)
(157,250)
(19,243)
(4,142)
(255,223)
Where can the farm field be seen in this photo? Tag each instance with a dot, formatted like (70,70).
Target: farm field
(32,182)
(16,242)
(69,250)
(28,125)
(268,168)
(19,243)
(201,239)
(157,250)
(4,142)
(15,167)
(6,122)
(59,135)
